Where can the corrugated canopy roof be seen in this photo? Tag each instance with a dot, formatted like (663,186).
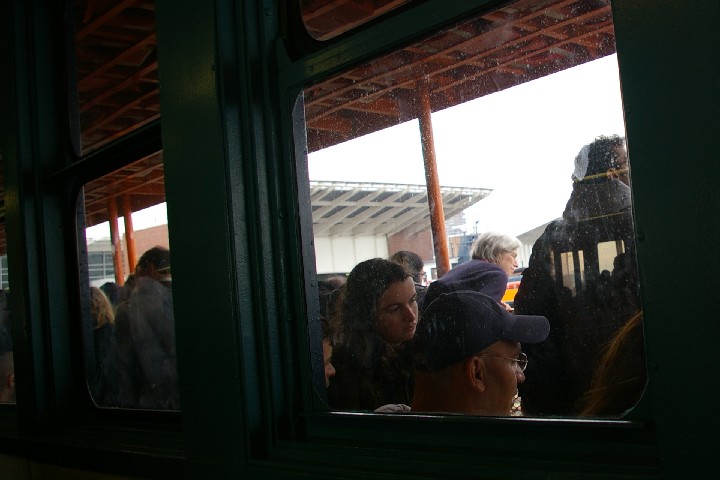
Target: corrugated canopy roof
(353,209)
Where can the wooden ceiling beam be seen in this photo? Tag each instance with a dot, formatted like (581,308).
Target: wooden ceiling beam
(149,41)
(468,44)
(331,124)
(471,45)
(508,65)
(152,67)
(103,19)
(120,112)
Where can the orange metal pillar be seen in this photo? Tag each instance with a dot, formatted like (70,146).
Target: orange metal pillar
(115,240)
(129,232)
(435,202)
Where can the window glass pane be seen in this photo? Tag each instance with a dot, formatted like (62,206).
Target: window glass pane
(607,253)
(117,79)
(127,296)
(505,130)
(573,271)
(325,19)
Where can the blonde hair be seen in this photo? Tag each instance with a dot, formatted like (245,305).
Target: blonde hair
(100,308)
(621,376)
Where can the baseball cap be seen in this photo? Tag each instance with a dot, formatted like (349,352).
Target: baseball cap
(460,324)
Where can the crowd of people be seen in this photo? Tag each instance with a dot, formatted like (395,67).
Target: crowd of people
(463,355)
(573,345)
(131,361)
(134,338)
(454,346)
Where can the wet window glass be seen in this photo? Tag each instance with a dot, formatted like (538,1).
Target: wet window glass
(126,294)
(489,163)
(116,69)
(325,19)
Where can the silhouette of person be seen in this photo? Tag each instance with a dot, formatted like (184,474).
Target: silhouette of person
(564,281)
(144,341)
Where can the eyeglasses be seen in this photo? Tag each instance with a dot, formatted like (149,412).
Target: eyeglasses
(521,361)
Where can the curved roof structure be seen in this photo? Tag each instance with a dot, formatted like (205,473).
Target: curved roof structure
(355,209)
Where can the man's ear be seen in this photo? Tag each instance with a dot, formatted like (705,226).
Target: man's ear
(475,372)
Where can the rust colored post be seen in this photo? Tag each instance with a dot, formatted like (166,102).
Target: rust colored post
(115,241)
(129,233)
(435,202)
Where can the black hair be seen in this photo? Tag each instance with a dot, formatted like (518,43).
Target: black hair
(158,257)
(411,261)
(601,156)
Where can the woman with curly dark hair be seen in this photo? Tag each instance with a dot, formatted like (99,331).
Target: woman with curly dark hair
(378,316)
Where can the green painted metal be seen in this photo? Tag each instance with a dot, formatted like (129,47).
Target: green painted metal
(670,90)
(31,144)
(228,84)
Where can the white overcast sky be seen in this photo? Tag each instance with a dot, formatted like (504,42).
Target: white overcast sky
(520,142)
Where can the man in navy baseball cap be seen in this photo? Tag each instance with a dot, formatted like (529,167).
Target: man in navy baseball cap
(468,357)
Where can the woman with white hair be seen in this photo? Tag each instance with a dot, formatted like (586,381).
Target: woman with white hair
(494,259)
(497,248)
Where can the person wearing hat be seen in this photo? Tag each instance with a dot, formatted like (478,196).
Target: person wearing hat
(494,259)
(467,354)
